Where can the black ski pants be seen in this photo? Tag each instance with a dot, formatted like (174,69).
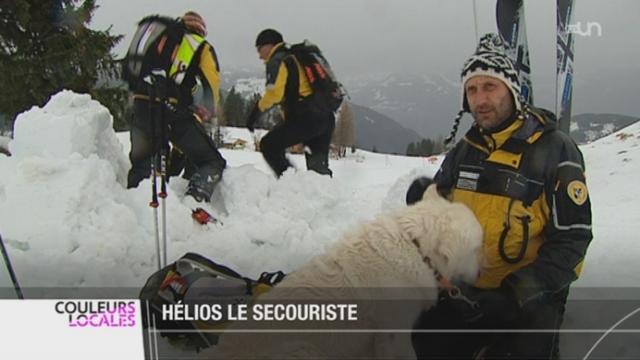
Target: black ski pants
(306,123)
(184,131)
(504,344)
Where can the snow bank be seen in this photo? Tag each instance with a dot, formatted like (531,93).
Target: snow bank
(64,212)
(68,220)
(69,124)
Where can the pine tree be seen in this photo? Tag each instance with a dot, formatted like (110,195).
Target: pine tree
(46,46)
(234,108)
(438,146)
(426,147)
(249,105)
(411,149)
(218,137)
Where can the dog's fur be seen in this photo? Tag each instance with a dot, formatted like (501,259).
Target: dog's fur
(386,253)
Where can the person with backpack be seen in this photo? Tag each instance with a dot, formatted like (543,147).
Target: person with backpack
(309,117)
(168,63)
(525,182)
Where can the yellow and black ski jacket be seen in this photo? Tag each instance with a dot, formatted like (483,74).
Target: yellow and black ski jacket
(286,82)
(200,75)
(526,185)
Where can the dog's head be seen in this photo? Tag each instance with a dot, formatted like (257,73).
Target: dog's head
(448,234)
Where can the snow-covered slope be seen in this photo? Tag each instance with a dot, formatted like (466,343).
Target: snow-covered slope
(586,128)
(613,167)
(68,219)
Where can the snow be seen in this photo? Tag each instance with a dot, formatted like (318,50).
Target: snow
(83,127)
(612,171)
(250,86)
(68,219)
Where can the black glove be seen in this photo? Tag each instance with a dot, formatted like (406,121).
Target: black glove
(253,117)
(491,308)
(417,189)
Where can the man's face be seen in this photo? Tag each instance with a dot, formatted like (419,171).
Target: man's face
(490,101)
(263,51)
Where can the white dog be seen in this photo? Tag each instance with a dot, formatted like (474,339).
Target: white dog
(403,251)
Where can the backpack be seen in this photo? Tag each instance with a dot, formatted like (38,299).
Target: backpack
(319,73)
(191,280)
(159,43)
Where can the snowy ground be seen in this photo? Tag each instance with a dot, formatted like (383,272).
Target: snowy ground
(69,221)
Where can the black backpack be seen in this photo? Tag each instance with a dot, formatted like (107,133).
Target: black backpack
(153,46)
(194,279)
(319,73)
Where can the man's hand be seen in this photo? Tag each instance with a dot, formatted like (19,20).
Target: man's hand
(492,308)
(203,113)
(253,117)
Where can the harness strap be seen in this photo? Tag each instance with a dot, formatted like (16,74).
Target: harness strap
(452,290)
(171,100)
(443,281)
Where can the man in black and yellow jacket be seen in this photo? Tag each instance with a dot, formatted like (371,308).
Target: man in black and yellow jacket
(524,180)
(193,69)
(307,119)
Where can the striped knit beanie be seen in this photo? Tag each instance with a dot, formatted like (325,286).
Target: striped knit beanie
(488,60)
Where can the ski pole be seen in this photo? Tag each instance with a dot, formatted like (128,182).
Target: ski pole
(12,274)
(154,152)
(160,77)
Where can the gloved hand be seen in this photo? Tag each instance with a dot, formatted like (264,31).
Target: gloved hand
(202,112)
(253,117)
(493,308)
(417,189)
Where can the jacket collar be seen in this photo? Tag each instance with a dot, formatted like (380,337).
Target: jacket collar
(275,49)
(525,130)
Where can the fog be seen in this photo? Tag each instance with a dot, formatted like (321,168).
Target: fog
(363,37)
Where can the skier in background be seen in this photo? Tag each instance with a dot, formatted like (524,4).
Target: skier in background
(307,119)
(204,164)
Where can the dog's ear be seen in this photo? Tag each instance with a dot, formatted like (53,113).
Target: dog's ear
(432,193)
(443,249)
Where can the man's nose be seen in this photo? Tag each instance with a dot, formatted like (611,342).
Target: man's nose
(482,97)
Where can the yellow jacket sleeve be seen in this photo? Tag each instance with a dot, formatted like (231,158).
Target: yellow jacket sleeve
(211,73)
(274,93)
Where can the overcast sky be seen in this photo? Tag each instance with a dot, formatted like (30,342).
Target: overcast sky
(416,36)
